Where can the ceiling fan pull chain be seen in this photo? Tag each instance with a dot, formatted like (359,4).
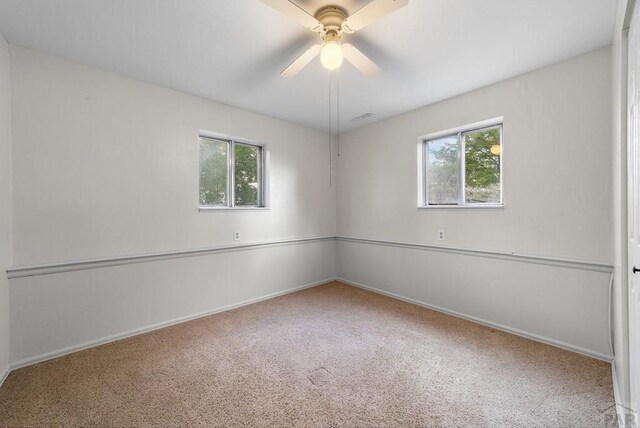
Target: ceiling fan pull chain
(330,138)
(338,110)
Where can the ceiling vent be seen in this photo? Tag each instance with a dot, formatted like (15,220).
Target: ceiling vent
(362,117)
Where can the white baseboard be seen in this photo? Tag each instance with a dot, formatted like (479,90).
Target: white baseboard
(90,344)
(3,376)
(532,336)
(135,332)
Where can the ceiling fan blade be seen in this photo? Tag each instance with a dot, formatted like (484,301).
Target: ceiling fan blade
(372,12)
(359,60)
(296,13)
(302,61)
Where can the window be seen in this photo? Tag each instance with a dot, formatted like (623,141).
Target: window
(463,167)
(231,174)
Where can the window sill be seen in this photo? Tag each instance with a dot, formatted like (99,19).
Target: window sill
(462,207)
(211,209)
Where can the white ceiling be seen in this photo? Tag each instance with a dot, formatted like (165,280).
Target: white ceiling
(232,51)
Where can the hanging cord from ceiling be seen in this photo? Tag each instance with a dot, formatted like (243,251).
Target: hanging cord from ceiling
(338,110)
(330,138)
(337,79)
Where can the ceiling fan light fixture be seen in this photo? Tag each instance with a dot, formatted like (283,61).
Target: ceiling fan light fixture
(331,55)
(331,22)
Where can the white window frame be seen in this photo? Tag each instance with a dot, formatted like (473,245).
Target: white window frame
(263,173)
(458,133)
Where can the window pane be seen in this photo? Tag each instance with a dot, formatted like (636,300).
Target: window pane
(482,166)
(442,171)
(247,173)
(213,172)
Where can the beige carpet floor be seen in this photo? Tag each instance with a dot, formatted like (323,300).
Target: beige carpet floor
(330,356)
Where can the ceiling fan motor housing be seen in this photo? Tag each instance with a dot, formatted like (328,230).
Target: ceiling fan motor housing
(331,18)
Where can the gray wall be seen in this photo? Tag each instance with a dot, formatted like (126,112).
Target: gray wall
(112,161)
(102,163)
(562,305)
(558,204)
(106,166)
(56,313)
(557,168)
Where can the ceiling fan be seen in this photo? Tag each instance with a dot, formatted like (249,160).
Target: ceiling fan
(331,22)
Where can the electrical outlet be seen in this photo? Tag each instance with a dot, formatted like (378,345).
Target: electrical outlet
(441,235)
(236,235)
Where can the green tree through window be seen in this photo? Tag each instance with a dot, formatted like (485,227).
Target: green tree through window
(216,173)
(479,167)
(246,175)
(213,172)
(482,167)
(443,175)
